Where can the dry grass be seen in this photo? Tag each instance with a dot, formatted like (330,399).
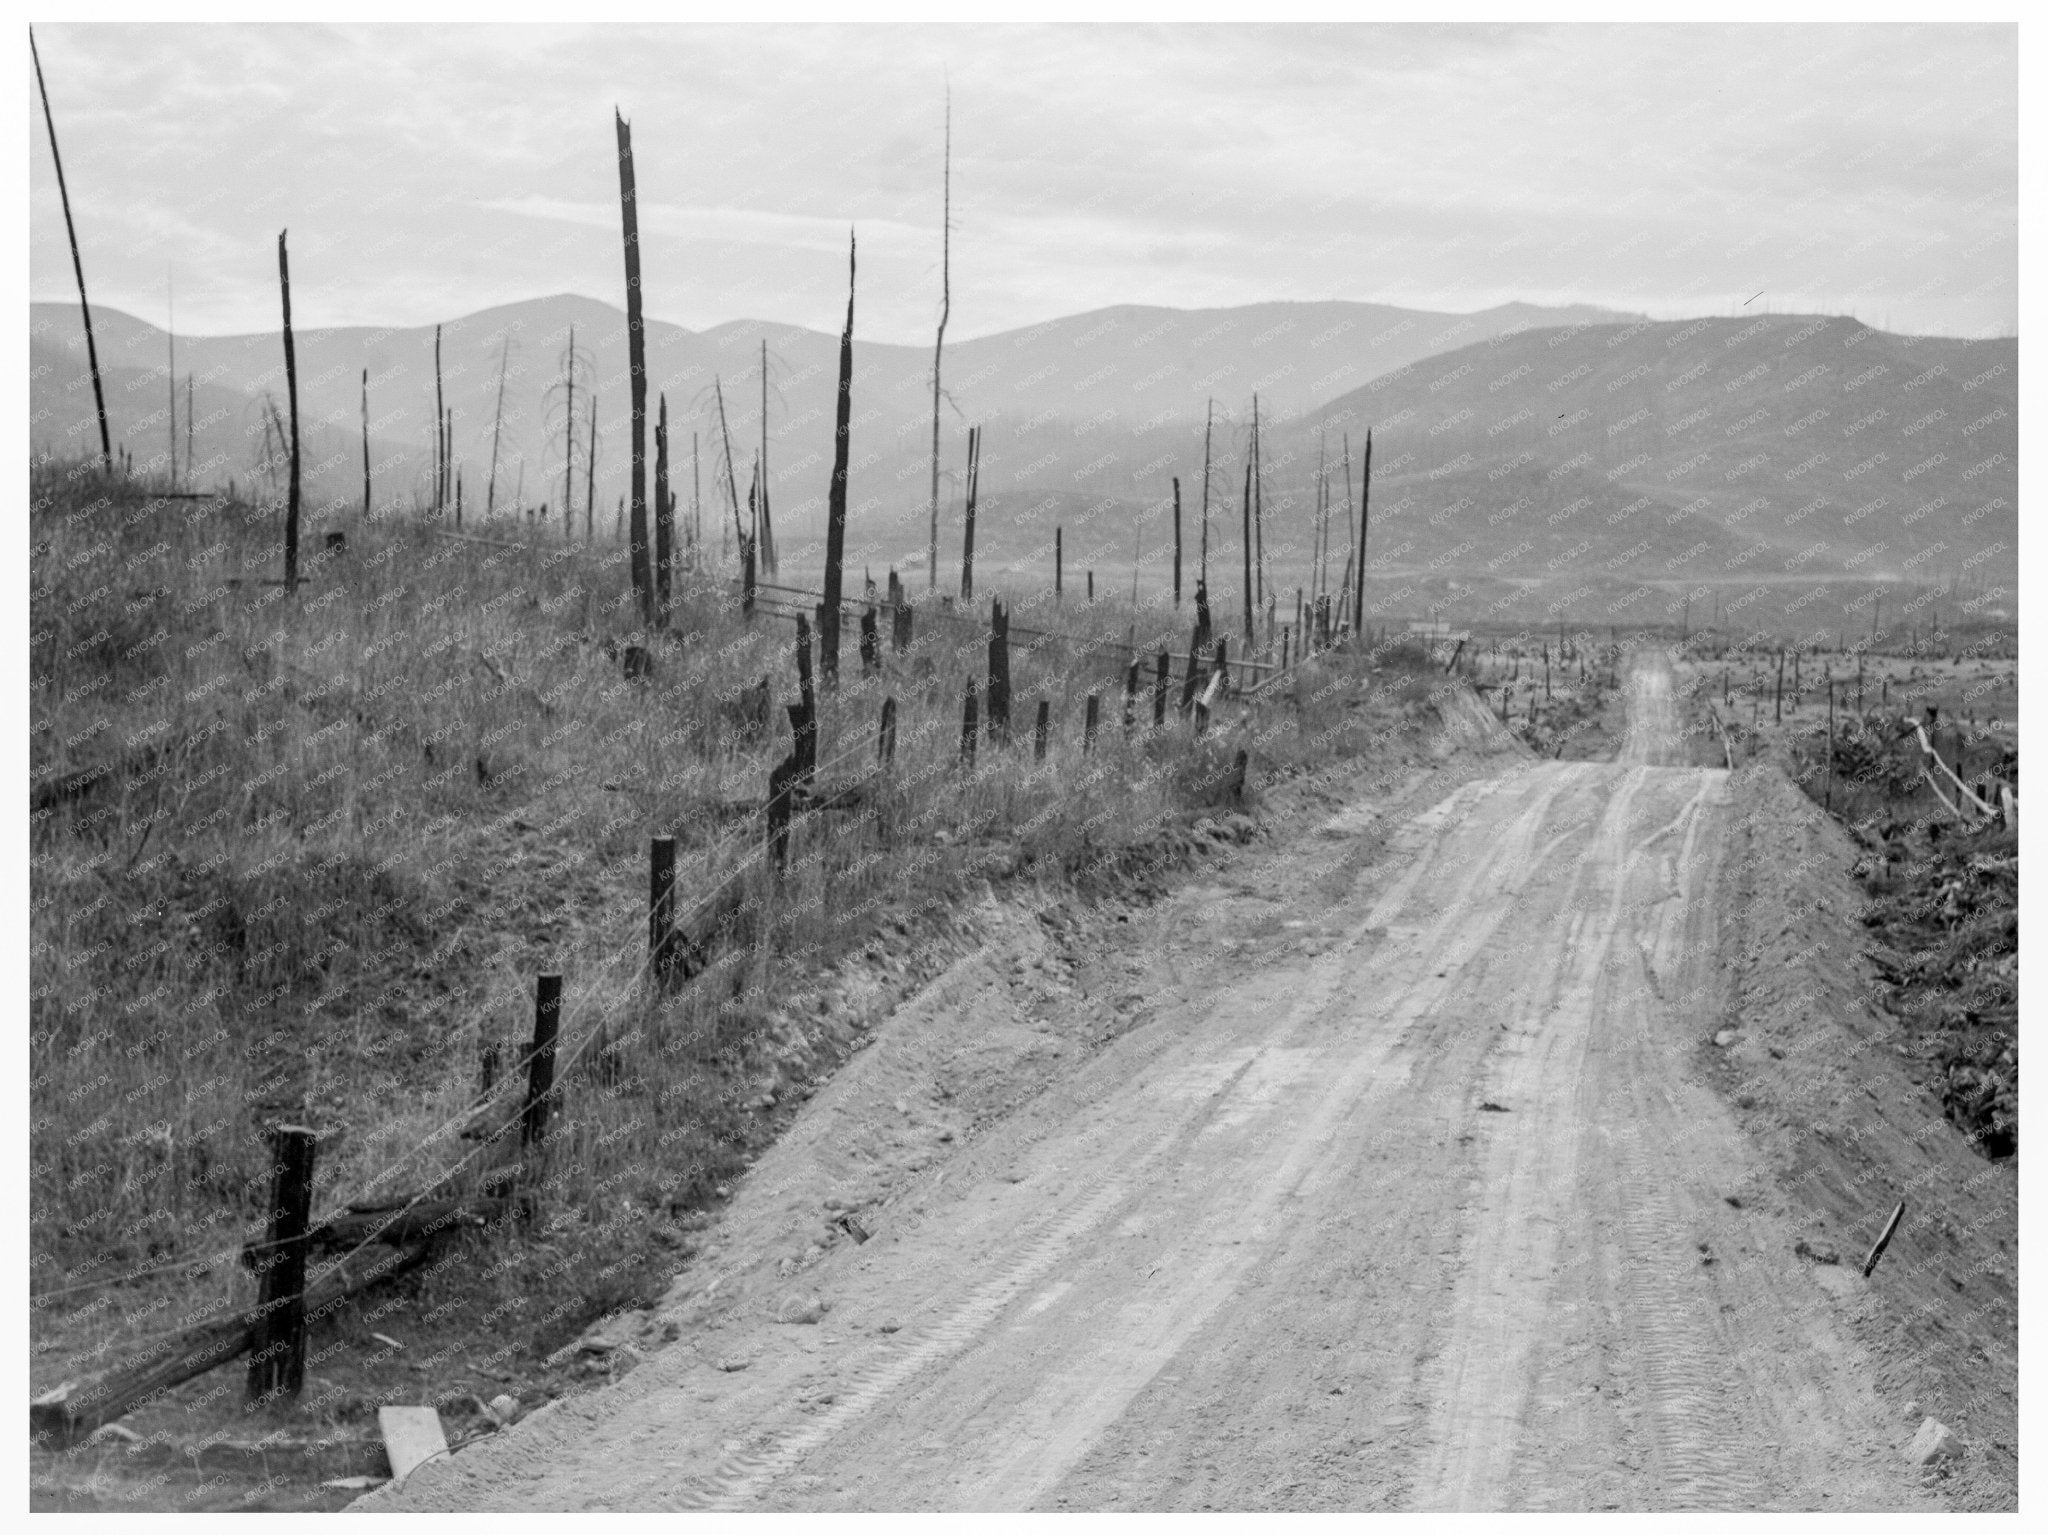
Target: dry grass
(301,858)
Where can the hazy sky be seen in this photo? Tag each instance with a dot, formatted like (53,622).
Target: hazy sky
(429,172)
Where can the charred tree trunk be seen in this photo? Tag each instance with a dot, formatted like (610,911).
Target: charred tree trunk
(636,366)
(590,478)
(1250,635)
(967,548)
(92,355)
(497,431)
(1176,540)
(366,442)
(1364,526)
(835,509)
(661,515)
(768,561)
(938,350)
(291,384)
(440,432)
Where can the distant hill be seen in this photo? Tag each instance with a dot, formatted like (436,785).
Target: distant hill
(1525,461)
(1788,444)
(1061,383)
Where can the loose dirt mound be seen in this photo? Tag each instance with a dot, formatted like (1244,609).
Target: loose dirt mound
(1828,1084)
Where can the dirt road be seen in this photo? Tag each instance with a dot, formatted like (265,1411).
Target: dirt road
(1403,1193)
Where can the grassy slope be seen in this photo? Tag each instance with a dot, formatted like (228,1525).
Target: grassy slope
(302,858)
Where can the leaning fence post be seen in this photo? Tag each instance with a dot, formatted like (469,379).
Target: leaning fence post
(277,1365)
(1044,728)
(1088,724)
(661,898)
(885,742)
(969,709)
(540,1067)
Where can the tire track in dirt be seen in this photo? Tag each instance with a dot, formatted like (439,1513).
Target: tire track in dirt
(1063,1418)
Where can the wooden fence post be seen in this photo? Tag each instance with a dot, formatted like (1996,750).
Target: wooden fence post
(1058,555)
(1160,682)
(969,708)
(1192,682)
(1237,775)
(806,732)
(1284,637)
(782,780)
(999,674)
(870,644)
(277,1363)
(885,743)
(1044,729)
(540,1066)
(1223,663)
(1130,698)
(899,627)
(661,907)
(1091,586)
(1829,802)
(1088,723)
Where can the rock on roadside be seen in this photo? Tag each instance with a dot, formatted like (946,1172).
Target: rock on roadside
(1935,1441)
